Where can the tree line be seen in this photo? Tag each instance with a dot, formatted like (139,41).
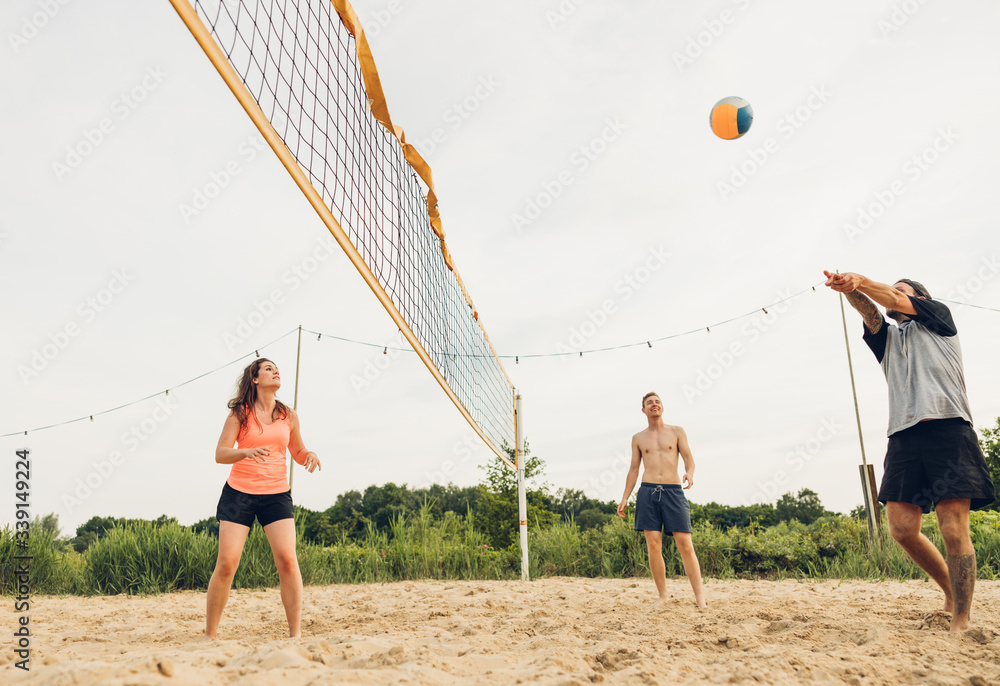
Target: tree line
(491,506)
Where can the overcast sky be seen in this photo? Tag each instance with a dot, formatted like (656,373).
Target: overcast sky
(873,150)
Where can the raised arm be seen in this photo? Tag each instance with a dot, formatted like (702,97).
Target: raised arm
(630,479)
(866,308)
(684,450)
(297,448)
(850,285)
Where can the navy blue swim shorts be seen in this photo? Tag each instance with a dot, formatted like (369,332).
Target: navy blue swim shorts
(662,507)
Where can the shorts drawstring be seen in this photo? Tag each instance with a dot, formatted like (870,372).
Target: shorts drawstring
(656,513)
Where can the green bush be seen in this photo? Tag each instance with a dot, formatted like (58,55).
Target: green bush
(52,566)
(148,557)
(984,525)
(140,558)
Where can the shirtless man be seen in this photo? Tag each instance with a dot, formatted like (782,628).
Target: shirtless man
(660,503)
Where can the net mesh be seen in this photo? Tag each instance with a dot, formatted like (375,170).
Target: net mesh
(300,63)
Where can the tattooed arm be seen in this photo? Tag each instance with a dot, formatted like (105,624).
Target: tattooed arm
(851,286)
(866,308)
(883,294)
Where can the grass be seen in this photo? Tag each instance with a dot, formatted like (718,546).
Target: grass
(142,558)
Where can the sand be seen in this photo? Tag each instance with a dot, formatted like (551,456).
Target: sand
(549,631)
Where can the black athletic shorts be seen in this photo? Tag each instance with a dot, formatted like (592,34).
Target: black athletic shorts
(662,507)
(933,461)
(242,508)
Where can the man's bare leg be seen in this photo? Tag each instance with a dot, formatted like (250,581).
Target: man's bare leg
(904,525)
(232,537)
(281,536)
(691,566)
(657,568)
(953,521)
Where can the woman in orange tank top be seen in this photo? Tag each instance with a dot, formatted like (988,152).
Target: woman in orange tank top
(262,428)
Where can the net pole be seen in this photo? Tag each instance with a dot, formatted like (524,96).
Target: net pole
(295,402)
(522,504)
(867,483)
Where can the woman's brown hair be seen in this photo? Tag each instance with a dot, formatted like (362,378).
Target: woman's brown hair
(243,402)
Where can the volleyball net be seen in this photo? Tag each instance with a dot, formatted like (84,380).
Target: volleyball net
(304,73)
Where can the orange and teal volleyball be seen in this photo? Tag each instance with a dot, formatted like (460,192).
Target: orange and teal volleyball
(731,118)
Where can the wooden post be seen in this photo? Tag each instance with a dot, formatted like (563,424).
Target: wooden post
(869,491)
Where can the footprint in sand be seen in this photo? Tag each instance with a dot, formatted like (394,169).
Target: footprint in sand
(780,625)
(939,620)
(981,635)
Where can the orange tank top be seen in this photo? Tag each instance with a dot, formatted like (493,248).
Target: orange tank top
(271,475)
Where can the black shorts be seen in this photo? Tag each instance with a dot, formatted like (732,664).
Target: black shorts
(662,507)
(933,461)
(242,508)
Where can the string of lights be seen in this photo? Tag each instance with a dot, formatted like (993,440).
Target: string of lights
(386,348)
(166,392)
(648,342)
(958,302)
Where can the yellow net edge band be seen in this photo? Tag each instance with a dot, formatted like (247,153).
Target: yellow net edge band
(380,110)
(204,38)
